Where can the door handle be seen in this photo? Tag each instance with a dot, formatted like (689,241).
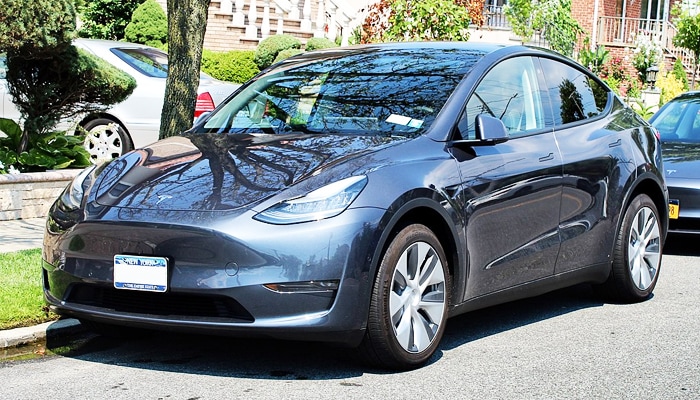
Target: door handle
(548,157)
(616,143)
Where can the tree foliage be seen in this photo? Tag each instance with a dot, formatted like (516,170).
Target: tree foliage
(552,18)
(69,83)
(106,19)
(39,24)
(688,36)
(187,23)
(149,25)
(401,20)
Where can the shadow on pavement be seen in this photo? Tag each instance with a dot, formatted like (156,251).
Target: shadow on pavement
(276,359)
(682,245)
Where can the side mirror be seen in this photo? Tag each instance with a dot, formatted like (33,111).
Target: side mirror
(490,130)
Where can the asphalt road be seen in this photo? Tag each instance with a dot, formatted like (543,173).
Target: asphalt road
(564,345)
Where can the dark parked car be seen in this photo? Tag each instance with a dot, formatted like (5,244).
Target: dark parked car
(362,196)
(678,122)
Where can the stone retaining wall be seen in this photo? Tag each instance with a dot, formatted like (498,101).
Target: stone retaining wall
(29,195)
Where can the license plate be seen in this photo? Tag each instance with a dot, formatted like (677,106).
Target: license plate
(674,207)
(149,274)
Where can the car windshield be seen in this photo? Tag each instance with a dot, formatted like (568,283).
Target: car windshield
(679,120)
(381,92)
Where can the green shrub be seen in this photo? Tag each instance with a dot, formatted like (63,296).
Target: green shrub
(284,54)
(235,66)
(317,43)
(55,150)
(148,25)
(269,48)
(36,24)
(680,74)
(106,19)
(669,85)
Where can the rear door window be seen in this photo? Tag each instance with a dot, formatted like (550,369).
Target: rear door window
(574,94)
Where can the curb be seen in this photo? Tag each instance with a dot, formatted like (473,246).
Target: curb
(21,336)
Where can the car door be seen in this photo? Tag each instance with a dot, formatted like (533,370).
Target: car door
(512,190)
(597,158)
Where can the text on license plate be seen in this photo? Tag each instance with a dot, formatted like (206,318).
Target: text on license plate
(674,207)
(141,273)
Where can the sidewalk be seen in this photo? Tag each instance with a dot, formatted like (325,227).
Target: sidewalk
(21,234)
(24,234)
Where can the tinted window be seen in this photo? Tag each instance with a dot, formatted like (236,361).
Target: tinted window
(150,62)
(387,92)
(510,92)
(574,94)
(679,120)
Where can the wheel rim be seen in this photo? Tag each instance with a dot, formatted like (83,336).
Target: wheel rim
(417,302)
(104,142)
(644,248)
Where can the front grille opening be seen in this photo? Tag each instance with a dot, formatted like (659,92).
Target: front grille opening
(162,304)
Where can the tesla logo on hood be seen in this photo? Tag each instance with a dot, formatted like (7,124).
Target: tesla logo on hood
(163,197)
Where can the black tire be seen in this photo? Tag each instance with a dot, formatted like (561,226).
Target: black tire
(637,253)
(106,139)
(407,337)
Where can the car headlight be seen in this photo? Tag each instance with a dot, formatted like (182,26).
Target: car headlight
(325,202)
(72,196)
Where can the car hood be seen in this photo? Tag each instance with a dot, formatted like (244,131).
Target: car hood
(206,172)
(681,160)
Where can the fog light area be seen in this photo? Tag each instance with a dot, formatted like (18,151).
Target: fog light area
(304,287)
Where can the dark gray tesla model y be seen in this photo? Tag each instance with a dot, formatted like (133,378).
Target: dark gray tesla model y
(362,196)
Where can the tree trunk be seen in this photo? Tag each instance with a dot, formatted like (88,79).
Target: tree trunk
(187,23)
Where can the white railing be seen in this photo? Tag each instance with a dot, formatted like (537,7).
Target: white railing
(618,31)
(332,18)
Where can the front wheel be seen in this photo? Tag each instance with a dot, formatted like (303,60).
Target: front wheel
(637,252)
(409,303)
(105,139)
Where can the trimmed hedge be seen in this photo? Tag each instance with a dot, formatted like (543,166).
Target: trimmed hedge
(149,25)
(317,43)
(284,54)
(235,66)
(270,47)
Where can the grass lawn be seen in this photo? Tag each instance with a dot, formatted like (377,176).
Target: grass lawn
(21,298)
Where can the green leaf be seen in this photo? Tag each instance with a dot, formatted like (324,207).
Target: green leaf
(12,130)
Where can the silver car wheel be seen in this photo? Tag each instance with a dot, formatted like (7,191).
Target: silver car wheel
(644,248)
(417,301)
(105,140)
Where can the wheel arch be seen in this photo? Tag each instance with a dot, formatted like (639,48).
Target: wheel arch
(103,115)
(650,186)
(429,212)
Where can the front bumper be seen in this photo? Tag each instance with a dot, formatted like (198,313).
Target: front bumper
(687,193)
(216,278)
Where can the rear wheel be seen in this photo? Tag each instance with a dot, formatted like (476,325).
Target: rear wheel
(105,139)
(409,303)
(637,253)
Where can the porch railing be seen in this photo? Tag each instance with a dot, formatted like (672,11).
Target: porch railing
(494,17)
(619,31)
